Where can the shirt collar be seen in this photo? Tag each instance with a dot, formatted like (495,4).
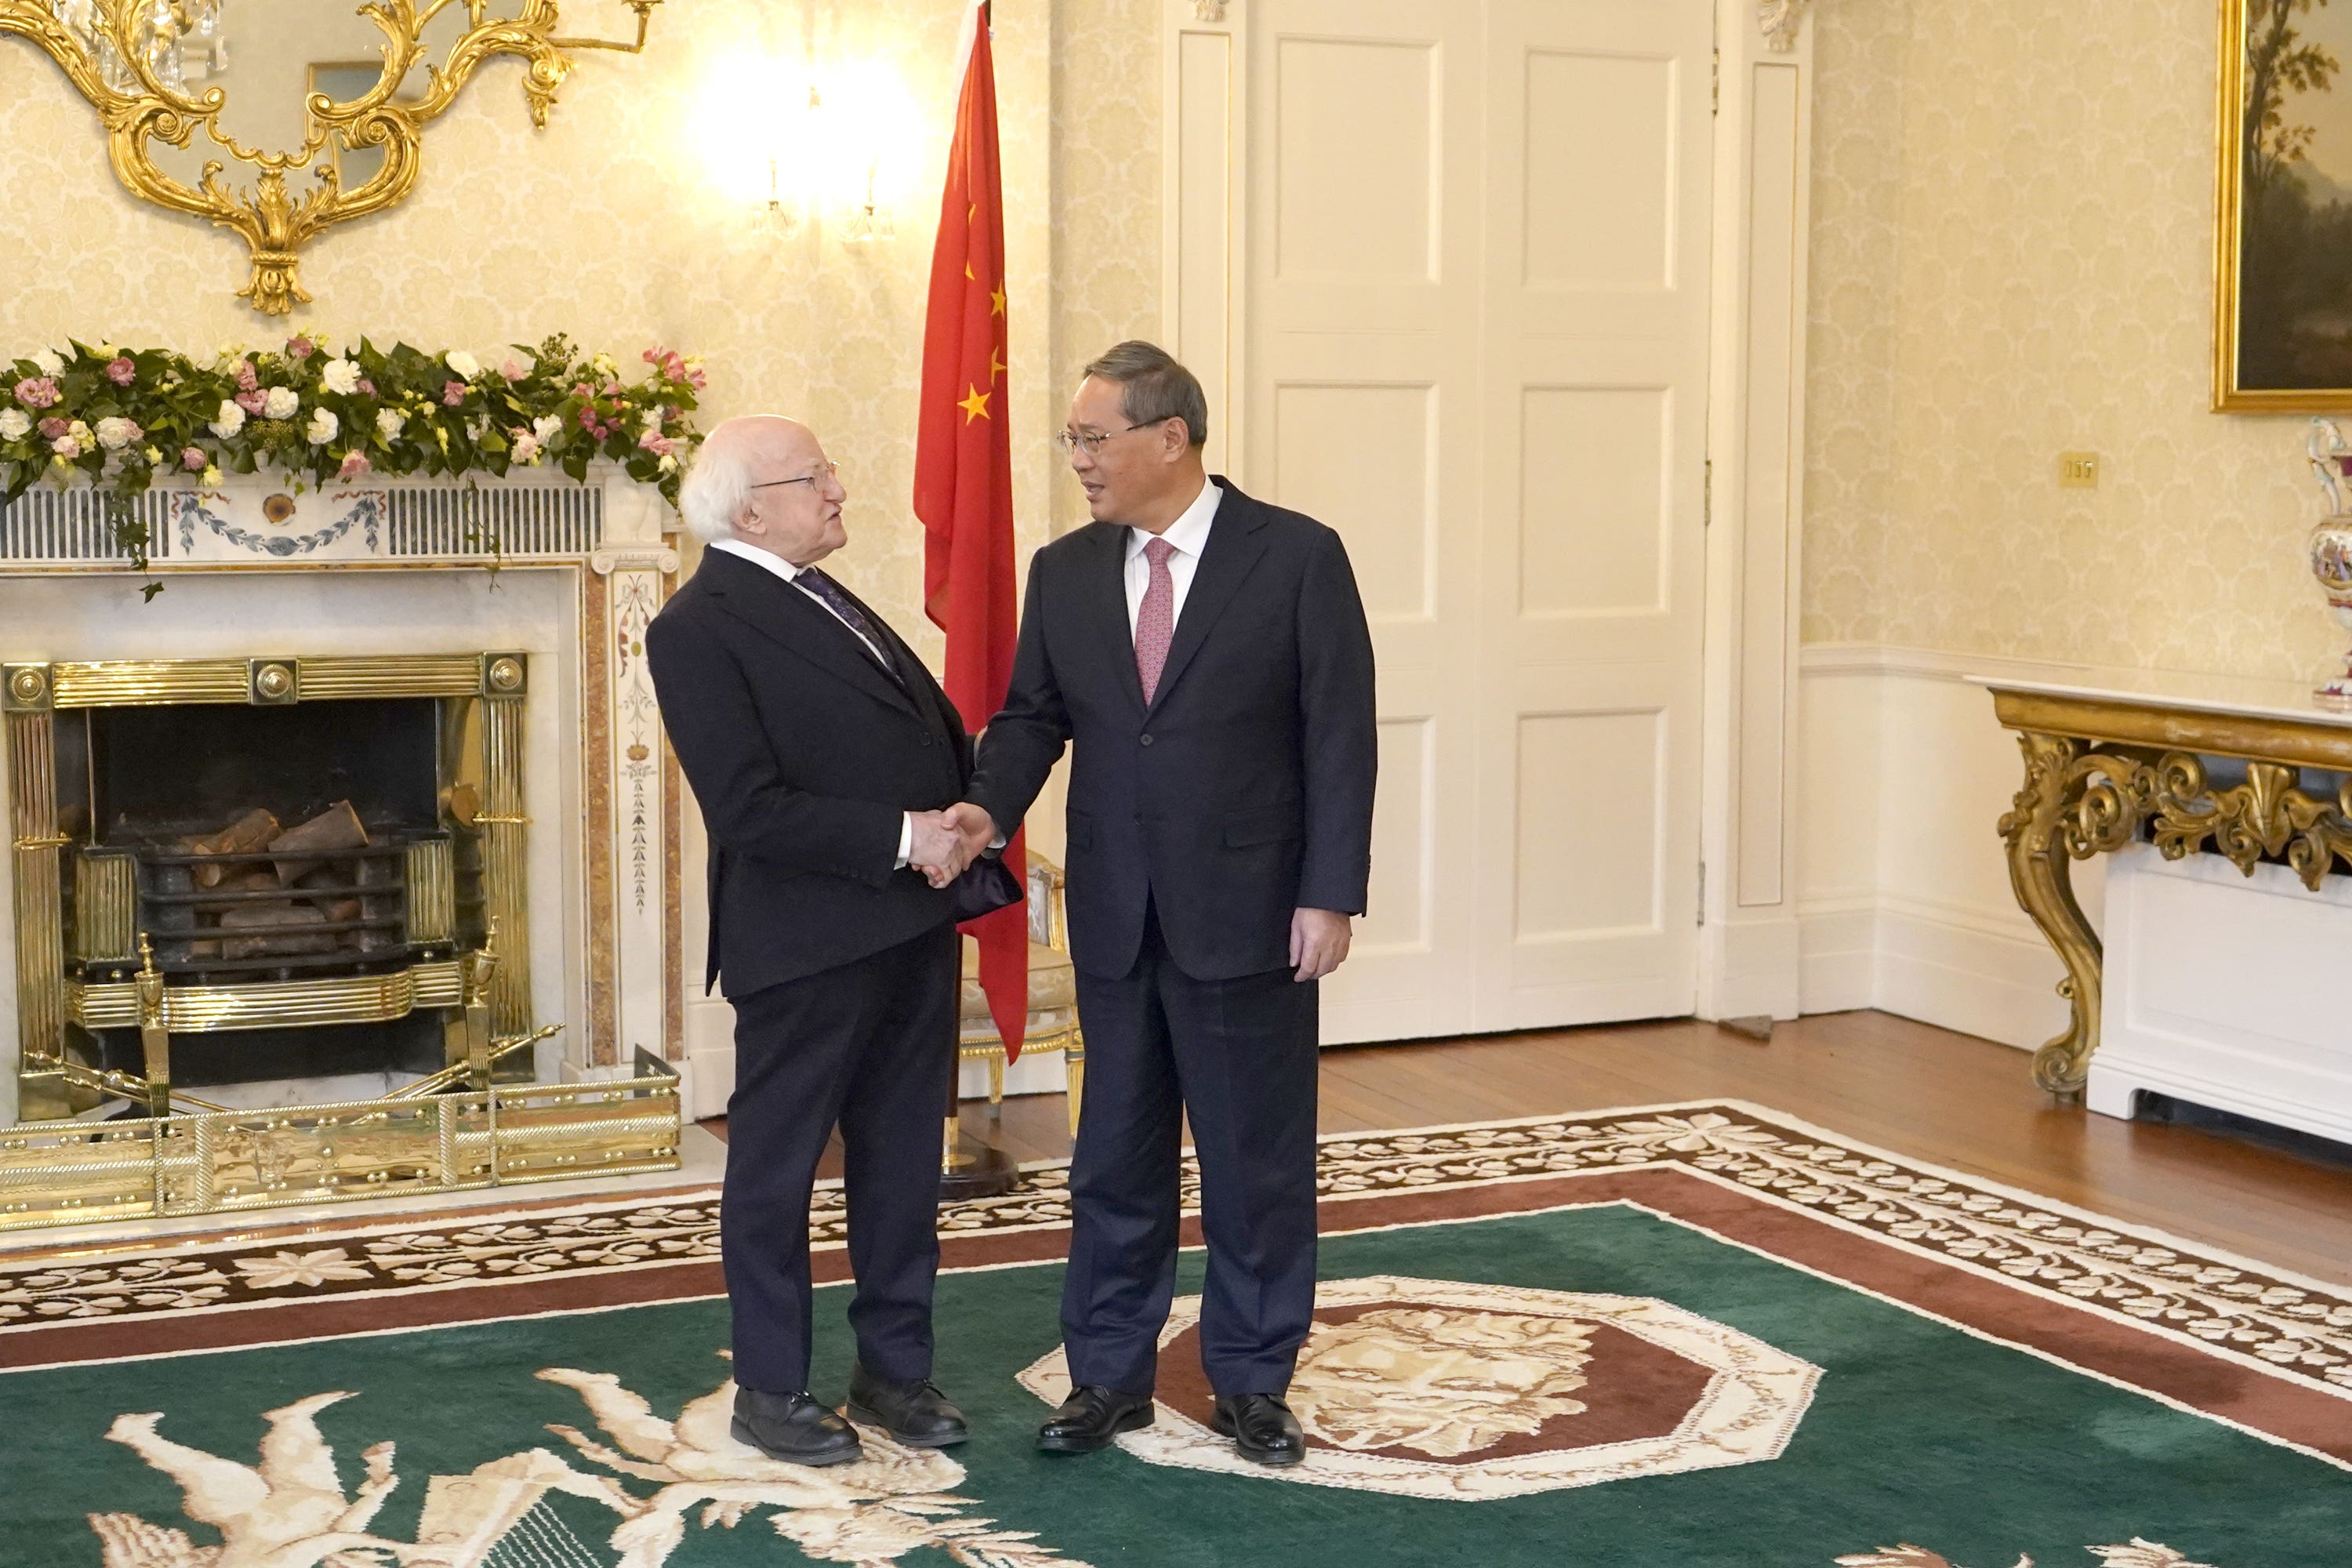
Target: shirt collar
(766,560)
(1190,531)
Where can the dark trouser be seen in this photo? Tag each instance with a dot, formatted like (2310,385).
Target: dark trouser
(1238,1055)
(869,1046)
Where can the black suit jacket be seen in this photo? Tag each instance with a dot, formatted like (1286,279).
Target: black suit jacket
(1245,790)
(805,755)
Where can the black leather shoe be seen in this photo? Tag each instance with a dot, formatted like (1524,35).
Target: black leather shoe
(916,1414)
(794,1428)
(1263,1429)
(1090,1417)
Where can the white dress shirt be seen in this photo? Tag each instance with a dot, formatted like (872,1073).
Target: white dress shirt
(1190,535)
(769,561)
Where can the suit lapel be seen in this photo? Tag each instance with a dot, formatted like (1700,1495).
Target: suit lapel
(1233,550)
(793,621)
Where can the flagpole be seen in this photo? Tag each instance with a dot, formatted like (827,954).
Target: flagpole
(961,592)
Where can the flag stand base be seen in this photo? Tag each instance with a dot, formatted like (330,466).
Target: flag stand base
(971,1169)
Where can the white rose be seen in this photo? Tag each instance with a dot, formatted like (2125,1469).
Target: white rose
(231,420)
(116,433)
(339,376)
(545,427)
(80,432)
(14,423)
(467,366)
(602,365)
(388,422)
(323,426)
(49,364)
(281,404)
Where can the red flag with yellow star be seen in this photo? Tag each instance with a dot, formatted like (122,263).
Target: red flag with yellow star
(964,476)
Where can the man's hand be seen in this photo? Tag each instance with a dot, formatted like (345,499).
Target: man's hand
(1318,942)
(938,847)
(978,828)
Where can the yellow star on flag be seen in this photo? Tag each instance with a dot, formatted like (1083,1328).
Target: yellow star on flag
(998,297)
(967,273)
(974,406)
(995,365)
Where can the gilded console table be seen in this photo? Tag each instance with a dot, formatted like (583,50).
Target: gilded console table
(2193,764)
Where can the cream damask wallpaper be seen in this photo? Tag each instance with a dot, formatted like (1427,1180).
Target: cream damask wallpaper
(2012,242)
(605,226)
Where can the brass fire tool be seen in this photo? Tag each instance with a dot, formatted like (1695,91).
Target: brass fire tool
(154,1091)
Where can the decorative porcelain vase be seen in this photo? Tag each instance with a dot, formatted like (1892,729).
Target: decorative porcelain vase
(2329,549)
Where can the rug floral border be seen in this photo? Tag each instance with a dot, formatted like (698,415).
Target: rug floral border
(2295,1328)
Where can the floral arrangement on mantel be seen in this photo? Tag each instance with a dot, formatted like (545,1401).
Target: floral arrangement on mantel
(120,419)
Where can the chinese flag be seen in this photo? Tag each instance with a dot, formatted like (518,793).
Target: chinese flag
(964,476)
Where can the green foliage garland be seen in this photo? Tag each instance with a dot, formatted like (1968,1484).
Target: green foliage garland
(121,418)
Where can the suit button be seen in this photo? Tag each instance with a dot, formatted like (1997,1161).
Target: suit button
(1147,740)
(925,740)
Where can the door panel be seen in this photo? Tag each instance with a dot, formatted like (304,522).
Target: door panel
(1474,339)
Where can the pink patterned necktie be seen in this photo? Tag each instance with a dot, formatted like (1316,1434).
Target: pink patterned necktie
(1155,619)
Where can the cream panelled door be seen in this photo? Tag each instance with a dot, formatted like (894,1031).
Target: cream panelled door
(1476,341)
(1360,366)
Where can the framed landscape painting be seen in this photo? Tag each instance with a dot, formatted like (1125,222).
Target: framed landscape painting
(2283,319)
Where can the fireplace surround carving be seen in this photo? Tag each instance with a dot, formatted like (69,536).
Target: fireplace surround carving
(578,870)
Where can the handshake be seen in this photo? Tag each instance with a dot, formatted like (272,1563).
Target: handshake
(944,843)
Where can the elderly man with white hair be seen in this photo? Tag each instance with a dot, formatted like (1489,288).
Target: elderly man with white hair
(821,750)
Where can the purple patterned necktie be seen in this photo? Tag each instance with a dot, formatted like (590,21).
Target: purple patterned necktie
(829,593)
(1155,619)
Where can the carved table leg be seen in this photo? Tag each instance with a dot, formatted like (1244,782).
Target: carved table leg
(2040,874)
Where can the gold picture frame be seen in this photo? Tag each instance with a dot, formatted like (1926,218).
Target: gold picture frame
(2283,299)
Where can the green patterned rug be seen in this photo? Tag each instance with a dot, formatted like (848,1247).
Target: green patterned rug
(1644,1362)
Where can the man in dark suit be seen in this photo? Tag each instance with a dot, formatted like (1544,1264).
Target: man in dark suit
(1207,656)
(820,749)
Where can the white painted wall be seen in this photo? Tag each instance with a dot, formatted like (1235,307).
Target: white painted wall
(1903,891)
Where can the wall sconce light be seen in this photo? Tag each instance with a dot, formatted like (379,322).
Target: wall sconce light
(810,147)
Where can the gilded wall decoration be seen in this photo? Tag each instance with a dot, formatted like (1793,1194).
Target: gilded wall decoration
(143,68)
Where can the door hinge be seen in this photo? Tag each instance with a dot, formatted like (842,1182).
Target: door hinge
(1706,496)
(1714,83)
(1702,892)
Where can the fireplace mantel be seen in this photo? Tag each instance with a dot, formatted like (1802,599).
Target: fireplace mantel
(572,571)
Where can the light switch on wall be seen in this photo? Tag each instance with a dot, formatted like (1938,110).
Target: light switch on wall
(2078,470)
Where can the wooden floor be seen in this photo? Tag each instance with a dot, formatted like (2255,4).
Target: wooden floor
(1909,1087)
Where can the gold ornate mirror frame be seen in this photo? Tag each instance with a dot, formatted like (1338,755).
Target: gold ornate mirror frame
(274,223)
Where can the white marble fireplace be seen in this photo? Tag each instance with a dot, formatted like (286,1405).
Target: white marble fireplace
(563,574)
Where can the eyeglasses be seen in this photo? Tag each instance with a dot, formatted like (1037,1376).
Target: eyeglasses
(822,473)
(1092,440)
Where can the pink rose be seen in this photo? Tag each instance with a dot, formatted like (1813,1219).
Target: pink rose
(367,387)
(52,427)
(355,464)
(453,393)
(588,419)
(696,379)
(512,371)
(252,400)
(300,348)
(65,447)
(38,392)
(247,377)
(659,444)
(192,459)
(121,370)
(525,444)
